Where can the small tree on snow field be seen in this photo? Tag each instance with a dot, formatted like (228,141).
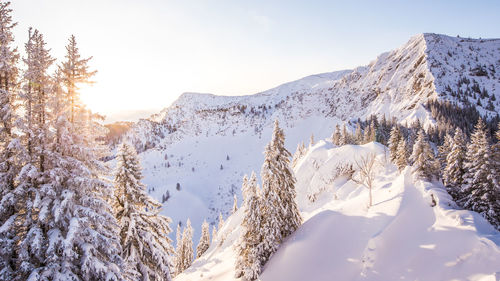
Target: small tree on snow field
(366,173)
(184,253)
(235,204)
(221,223)
(204,240)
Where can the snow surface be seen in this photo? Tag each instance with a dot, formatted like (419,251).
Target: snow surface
(403,236)
(200,130)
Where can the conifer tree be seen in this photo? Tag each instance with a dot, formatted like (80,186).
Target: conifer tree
(479,191)
(143,231)
(394,139)
(235,204)
(187,246)
(453,174)
(311,141)
(249,249)
(179,251)
(280,211)
(336,135)
(423,158)
(401,160)
(444,150)
(11,152)
(221,223)
(65,226)
(74,70)
(344,137)
(204,243)
(358,134)
(496,157)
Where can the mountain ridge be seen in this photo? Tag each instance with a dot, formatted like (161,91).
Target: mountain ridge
(206,143)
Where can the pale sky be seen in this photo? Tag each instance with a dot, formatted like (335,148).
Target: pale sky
(148,52)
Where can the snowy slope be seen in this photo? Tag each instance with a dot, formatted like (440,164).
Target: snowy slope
(402,237)
(198,132)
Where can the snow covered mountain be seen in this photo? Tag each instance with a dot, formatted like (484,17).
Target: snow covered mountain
(412,231)
(196,151)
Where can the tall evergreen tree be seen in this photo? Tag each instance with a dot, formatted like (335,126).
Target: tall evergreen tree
(204,243)
(10,146)
(249,249)
(358,134)
(444,150)
(143,231)
(402,155)
(187,245)
(74,70)
(423,158)
(479,191)
(394,140)
(65,227)
(280,211)
(453,174)
(336,135)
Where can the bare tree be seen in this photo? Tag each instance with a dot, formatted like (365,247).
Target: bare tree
(366,172)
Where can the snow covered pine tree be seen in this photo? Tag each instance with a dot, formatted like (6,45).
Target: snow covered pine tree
(143,231)
(249,249)
(204,243)
(65,227)
(280,213)
(479,191)
(10,146)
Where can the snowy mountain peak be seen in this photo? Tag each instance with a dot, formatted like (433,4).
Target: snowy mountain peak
(196,151)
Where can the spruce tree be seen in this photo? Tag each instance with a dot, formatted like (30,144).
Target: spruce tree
(74,70)
(344,137)
(11,152)
(249,249)
(336,135)
(423,158)
(358,134)
(280,211)
(444,150)
(453,174)
(204,243)
(221,223)
(179,251)
(65,226)
(187,246)
(143,231)
(401,160)
(395,137)
(479,191)
(496,157)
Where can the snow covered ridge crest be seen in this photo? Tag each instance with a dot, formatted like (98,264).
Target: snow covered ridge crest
(397,84)
(412,231)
